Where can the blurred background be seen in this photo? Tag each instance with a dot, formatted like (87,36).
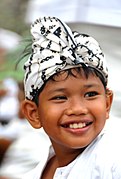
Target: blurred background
(100,19)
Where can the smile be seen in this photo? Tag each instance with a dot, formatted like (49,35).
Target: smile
(79,125)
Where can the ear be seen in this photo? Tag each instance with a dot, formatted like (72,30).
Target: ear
(30,111)
(109,99)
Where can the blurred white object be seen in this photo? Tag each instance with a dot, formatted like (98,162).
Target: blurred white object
(8,39)
(62,9)
(9,103)
(25,153)
(93,11)
(15,128)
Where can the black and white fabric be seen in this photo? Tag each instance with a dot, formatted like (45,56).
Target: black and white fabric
(55,48)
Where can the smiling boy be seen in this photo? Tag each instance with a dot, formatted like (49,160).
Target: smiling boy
(66,93)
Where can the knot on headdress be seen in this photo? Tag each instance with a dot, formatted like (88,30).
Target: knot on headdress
(53,40)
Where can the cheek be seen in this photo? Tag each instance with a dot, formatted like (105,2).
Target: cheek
(50,118)
(49,115)
(99,111)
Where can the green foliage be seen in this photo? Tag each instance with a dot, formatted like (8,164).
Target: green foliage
(13,64)
(12,17)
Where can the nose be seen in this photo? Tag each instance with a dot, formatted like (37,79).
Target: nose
(77,107)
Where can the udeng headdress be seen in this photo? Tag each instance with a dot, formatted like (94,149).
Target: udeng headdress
(55,48)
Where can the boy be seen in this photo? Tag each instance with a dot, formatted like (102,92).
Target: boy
(66,93)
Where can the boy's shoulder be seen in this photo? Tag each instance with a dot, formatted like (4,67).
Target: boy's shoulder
(34,173)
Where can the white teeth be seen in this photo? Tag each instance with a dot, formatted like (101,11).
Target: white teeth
(77,125)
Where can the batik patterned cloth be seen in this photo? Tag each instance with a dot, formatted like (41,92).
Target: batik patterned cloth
(55,48)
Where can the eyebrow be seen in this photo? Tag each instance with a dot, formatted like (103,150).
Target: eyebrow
(91,85)
(57,90)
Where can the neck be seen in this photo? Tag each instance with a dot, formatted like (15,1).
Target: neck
(65,156)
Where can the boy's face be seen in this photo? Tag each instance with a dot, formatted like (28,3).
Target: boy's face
(73,111)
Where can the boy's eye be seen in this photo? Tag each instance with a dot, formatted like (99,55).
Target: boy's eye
(91,94)
(59,98)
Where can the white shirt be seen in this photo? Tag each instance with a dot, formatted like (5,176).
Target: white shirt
(100,160)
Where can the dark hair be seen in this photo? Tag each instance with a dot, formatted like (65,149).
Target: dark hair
(68,72)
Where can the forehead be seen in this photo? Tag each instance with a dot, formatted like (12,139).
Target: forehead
(67,79)
(75,72)
(60,79)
